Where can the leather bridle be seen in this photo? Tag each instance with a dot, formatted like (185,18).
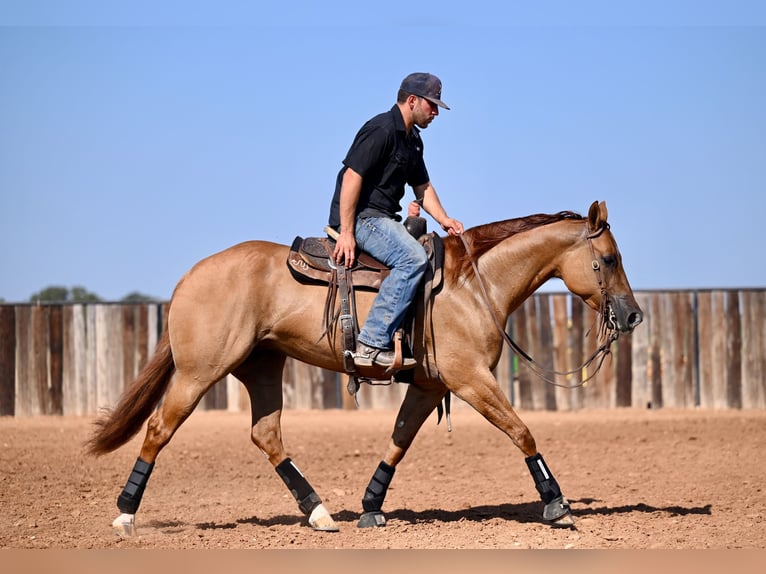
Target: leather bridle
(600,353)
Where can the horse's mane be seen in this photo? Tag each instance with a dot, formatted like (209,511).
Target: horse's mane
(482,238)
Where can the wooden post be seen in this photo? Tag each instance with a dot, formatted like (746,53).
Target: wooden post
(705,348)
(678,347)
(129,343)
(80,337)
(519,318)
(91,354)
(56,359)
(7,360)
(32,391)
(669,348)
(594,390)
(640,390)
(40,379)
(561,358)
(142,349)
(733,352)
(718,350)
(623,390)
(576,341)
(74,383)
(655,356)
(545,350)
(754,349)
(109,355)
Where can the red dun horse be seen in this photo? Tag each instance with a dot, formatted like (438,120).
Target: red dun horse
(241,311)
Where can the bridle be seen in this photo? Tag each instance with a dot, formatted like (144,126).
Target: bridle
(599,354)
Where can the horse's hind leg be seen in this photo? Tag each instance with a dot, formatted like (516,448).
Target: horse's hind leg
(262,376)
(184,393)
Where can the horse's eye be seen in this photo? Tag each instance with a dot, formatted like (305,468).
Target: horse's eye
(610,260)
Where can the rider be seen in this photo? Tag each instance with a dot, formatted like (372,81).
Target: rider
(386,154)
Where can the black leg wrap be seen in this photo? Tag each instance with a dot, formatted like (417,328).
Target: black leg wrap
(130,499)
(307,499)
(376,490)
(556,505)
(374,496)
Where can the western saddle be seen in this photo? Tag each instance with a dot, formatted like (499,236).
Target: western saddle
(311,262)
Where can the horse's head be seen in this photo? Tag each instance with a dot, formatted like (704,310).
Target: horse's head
(593,270)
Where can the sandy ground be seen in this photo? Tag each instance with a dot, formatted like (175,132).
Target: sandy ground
(636,480)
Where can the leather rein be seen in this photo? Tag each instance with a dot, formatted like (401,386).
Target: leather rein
(542,372)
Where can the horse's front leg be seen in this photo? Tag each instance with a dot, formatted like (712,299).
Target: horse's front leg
(483,393)
(417,405)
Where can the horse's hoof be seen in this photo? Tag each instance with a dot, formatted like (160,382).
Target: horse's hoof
(125,525)
(321,520)
(371,519)
(566,521)
(558,514)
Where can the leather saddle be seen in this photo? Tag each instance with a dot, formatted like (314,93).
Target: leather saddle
(310,261)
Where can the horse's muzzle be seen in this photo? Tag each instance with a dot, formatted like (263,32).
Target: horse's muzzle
(622,315)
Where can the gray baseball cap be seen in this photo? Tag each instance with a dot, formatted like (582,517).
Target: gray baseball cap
(426,86)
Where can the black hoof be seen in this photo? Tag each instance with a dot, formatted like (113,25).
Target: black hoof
(371,520)
(557,511)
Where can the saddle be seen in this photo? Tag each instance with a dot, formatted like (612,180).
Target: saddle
(310,261)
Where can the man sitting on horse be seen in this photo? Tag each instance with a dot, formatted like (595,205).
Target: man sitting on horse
(386,154)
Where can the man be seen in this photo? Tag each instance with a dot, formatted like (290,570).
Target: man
(386,154)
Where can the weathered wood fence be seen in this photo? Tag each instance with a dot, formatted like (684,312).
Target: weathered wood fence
(701,348)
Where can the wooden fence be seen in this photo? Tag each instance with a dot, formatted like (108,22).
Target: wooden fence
(695,349)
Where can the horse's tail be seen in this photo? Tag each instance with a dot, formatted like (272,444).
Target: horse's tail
(122,423)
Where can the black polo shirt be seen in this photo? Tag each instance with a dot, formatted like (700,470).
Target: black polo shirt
(387,159)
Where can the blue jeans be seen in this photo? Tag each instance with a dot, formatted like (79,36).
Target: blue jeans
(388,241)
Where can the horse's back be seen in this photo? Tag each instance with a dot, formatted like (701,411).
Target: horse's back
(246,289)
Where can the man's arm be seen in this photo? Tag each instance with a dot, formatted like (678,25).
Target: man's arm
(350,190)
(432,204)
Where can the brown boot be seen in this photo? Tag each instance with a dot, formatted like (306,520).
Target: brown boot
(367,356)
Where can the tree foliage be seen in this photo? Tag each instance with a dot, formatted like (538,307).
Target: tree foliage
(136,297)
(59,294)
(78,294)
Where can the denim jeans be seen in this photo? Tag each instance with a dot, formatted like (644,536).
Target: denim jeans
(389,242)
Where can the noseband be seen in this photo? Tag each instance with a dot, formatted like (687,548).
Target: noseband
(599,355)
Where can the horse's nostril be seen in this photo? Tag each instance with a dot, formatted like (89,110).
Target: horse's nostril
(634,319)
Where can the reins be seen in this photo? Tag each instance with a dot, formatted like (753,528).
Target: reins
(542,372)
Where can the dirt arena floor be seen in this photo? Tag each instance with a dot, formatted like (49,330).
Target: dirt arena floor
(635,479)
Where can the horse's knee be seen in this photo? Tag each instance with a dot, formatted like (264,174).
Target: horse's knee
(525,441)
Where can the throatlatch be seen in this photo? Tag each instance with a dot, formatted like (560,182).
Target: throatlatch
(300,488)
(130,498)
(556,505)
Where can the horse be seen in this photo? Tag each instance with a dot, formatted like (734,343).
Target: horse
(241,311)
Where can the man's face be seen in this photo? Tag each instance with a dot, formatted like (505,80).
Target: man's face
(424,112)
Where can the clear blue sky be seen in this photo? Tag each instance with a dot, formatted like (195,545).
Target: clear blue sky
(139,137)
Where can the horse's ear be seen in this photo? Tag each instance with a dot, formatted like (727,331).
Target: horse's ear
(597,215)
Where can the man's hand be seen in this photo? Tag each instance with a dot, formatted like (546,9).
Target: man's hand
(345,249)
(452,226)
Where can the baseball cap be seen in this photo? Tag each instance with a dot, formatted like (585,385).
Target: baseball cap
(426,86)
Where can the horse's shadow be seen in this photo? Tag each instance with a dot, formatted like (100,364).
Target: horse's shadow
(525,512)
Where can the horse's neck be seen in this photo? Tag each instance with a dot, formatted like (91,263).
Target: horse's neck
(519,265)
